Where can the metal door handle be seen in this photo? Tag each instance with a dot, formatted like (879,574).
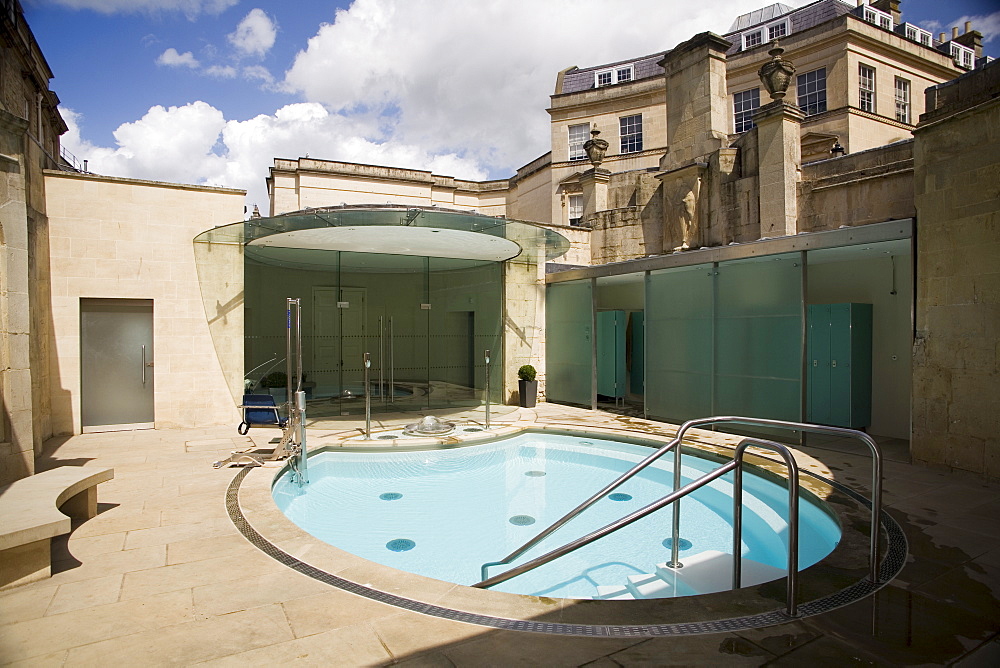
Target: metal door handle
(144,364)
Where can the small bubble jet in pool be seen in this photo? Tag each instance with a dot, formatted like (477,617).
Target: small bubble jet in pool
(429,426)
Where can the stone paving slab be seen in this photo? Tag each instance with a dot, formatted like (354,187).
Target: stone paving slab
(160,577)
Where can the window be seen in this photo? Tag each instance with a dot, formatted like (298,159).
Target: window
(577,136)
(963,56)
(866,85)
(812,91)
(630,130)
(744,105)
(616,75)
(902,100)
(752,39)
(878,17)
(575,209)
(776,30)
(917,34)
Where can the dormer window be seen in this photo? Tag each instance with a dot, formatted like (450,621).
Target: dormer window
(760,34)
(963,56)
(878,17)
(917,34)
(776,30)
(752,39)
(619,74)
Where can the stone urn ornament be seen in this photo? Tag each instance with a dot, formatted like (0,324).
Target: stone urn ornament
(595,147)
(776,73)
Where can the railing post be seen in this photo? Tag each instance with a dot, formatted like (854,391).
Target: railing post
(487,389)
(368,397)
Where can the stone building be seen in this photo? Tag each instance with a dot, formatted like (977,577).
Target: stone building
(30,126)
(677,260)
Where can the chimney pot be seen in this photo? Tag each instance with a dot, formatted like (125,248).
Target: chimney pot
(941,37)
(968,26)
(954,32)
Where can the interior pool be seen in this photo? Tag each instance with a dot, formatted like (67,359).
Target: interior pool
(443,513)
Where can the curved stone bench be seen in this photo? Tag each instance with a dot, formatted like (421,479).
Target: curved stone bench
(36,509)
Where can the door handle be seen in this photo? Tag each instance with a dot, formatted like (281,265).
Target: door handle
(144,364)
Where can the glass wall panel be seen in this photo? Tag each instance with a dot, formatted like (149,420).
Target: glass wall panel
(758,339)
(679,307)
(569,342)
(466,298)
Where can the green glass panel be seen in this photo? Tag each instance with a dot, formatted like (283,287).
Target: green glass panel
(678,335)
(758,338)
(638,366)
(611,353)
(569,342)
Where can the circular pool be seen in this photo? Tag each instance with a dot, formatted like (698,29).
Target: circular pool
(443,513)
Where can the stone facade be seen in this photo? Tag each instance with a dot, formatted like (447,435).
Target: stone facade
(117,238)
(30,126)
(956,359)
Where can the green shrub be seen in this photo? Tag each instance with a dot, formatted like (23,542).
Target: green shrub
(526,372)
(274,379)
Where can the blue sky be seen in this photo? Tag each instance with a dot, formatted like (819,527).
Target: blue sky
(210,91)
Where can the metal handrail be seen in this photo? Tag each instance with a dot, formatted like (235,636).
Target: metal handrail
(736,465)
(792,566)
(678,437)
(609,528)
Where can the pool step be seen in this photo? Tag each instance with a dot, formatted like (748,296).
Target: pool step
(702,573)
(712,571)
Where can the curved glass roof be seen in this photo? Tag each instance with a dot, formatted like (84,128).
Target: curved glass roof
(394,230)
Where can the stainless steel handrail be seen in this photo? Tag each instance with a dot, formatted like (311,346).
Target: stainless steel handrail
(792,566)
(678,437)
(609,528)
(736,465)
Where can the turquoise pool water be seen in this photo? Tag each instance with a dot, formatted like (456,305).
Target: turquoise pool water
(443,513)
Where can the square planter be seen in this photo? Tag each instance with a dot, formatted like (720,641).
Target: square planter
(527,390)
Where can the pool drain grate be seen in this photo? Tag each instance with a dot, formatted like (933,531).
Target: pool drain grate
(685,544)
(522,520)
(620,496)
(892,564)
(390,496)
(534,474)
(400,545)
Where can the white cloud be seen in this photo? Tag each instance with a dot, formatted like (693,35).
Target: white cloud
(191,8)
(258,73)
(463,95)
(195,144)
(987,24)
(254,35)
(171,58)
(478,76)
(221,71)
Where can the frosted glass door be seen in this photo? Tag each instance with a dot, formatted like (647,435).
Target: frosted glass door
(678,340)
(569,351)
(116,364)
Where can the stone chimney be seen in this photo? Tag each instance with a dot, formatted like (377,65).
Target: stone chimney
(970,38)
(889,7)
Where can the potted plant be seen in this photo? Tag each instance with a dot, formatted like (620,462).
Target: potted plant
(527,386)
(276,384)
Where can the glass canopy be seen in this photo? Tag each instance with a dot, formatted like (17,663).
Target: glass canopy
(395,230)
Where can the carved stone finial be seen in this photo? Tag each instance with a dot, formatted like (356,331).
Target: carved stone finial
(595,148)
(776,73)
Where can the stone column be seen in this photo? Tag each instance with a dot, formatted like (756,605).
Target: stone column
(17,458)
(779,151)
(595,191)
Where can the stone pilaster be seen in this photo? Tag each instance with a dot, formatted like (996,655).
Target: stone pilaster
(779,166)
(698,108)
(595,191)
(17,458)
